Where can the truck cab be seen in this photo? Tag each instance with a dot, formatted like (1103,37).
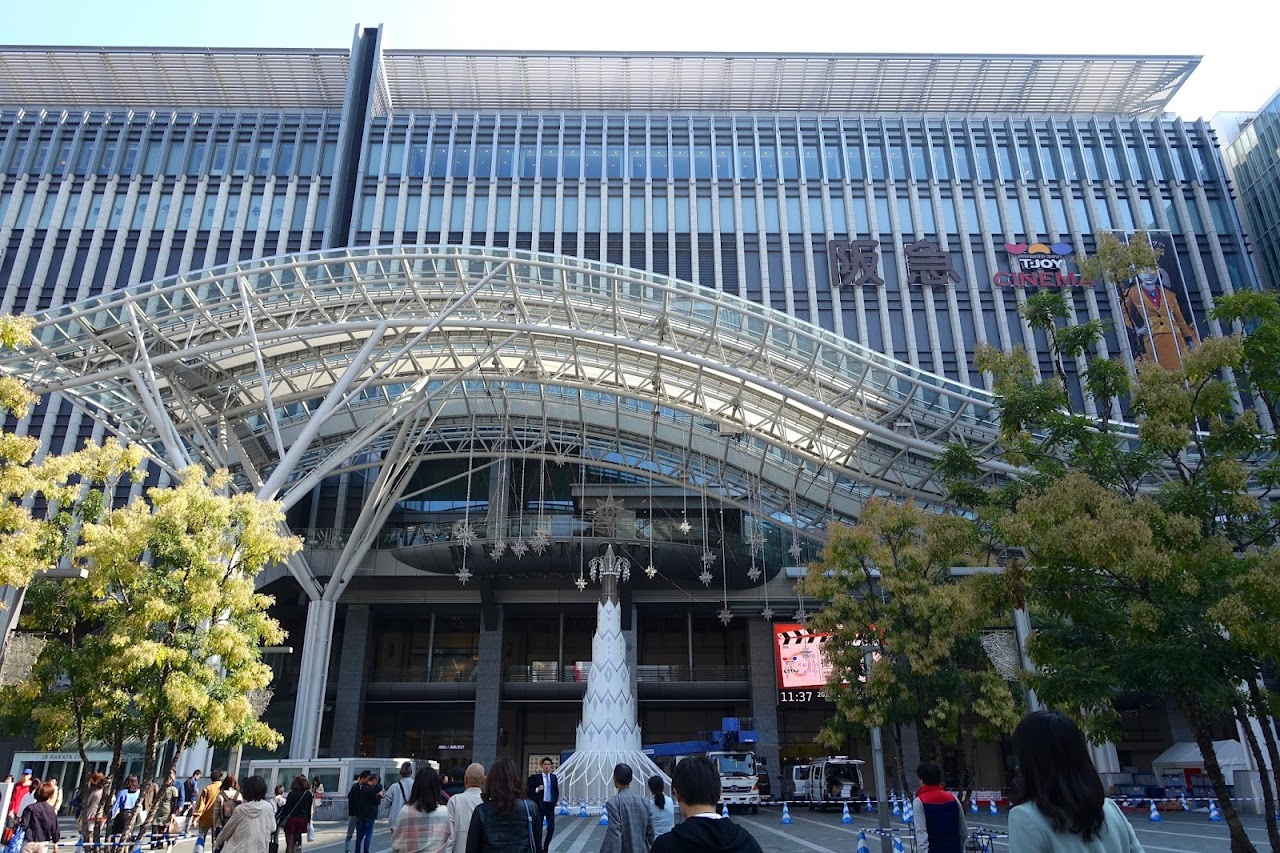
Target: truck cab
(834,781)
(739,778)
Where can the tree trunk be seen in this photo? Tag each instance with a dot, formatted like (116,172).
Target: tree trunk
(1268,792)
(149,752)
(180,746)
(968,763)
(1262,710)
(899,760)
(1196,716)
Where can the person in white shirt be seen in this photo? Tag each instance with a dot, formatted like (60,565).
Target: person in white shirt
(460,808)
(398,794)
(544,789)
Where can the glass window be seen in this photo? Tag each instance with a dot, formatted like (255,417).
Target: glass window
(457,212)
(506,161)
(1027,158)
(615,161)
(595,161)
(964,164)
(853,160)
(897,161)
(812,167)
(839,222)
(772,224)
(593,214)
(1148,214)
(993,215)
(373,159)
(941,167)
(680,162)
(1049,162)
(949,216)
(151,167)
(724,162)
(704,213)
(109,156)
(172,158)
(1113,163)
(461,161)
(284,161)
(528,161)
(547,215)
(905,221)
(972,222)
(637,215)
(986,162)
(790,162)
(550,161)
(660,215)
(243,152)
(747,163)
(1039,221)
(251,221)
(919,163)
(117,210)
(726,214)
(793,214)
(232,211)
(68,215)
(390,205)
(816,223)
(861,220)
(484,161)
(832,161)
(1103,214)
(1009,169)
(131,158)
(501,213)
(569,210)
(572,161)
(1014,212)
(658,161)
(262,163)
(927,223)
(435,212)
(439,160)
(638,160)
(750,221)
(768,163)
(682,214)
(327,155)
(1073,163)
(875,159)
(275,217)
(702,162)
(882,215)
(524,220)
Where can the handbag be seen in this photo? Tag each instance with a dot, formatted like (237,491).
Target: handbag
(533,842)
(311,831)
(16,840)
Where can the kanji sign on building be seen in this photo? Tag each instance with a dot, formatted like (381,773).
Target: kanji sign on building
(854,262)
(927,264)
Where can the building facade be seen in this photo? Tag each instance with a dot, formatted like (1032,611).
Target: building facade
(901,205)
(1253,157)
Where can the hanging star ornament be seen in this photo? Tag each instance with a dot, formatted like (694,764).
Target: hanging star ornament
(725,615)
(608,509)
(705,577)
(708,558)
(795,550)
(465,536)
(499,548)
(463,575)
(753,574)
(539,542)
(685,526)
(580,582)
(767,612)
(519,548)
(755,539)
(802,615)
(651,570)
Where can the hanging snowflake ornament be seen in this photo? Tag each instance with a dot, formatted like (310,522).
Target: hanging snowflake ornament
(725,615)
(795,550)
(685,526)
(705,577)
(708,558)
(463,575)
(499,548)
(753,574)
(465,536)
(580,582)
(538,542)
(767,612)
(802,615)
(755,539)
(651,570)
(519,548)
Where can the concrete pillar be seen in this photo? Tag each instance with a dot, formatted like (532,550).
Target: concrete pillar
(910,758)
(488,695)
(353,667)
(764,696)
(304,742)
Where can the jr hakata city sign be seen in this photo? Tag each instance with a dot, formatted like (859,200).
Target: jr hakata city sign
(1039,265)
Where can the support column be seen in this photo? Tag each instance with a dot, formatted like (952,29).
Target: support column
(488,694)
(1107,762)
(764,697)
(348,706)
(304,742)
(910,757)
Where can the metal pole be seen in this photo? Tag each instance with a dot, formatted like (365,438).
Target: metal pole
(878,770)
(1021,631)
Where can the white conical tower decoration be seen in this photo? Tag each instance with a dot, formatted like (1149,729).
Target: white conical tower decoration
(608,734)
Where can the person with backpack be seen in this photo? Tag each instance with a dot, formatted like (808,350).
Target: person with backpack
(398,794)
(228,798)
(249,827)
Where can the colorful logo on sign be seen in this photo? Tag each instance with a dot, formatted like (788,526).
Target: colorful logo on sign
(1039,265)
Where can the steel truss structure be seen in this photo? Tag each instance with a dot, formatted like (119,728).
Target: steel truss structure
(293,369)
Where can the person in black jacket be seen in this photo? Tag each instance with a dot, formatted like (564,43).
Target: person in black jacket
(506,822)
(368,798)
(295,814)
(40,821)
(696,786)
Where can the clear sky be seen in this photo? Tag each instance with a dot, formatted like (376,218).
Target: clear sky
(1237,39)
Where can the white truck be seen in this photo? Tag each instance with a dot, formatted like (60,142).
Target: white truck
(830,781)
(739,778)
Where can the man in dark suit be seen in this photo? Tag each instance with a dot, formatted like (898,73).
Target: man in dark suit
(544,789)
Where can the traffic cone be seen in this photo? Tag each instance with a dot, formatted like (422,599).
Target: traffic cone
(137,845)
(897,844)
(993,808)
(724,810)
(1186,807)
(893,798)
(80,842)
(786,814)
(1215,814)
(199,844)
(1155,813)
(604,817)
(563,811)
(845,817)
(871,807)
(582,809)
(863,847)
(908,811)
(973,803)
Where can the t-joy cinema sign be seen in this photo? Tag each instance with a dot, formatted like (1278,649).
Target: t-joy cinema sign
(1039,265)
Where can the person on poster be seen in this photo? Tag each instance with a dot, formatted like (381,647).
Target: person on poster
(1152,313)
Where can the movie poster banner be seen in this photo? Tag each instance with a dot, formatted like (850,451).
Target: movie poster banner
(1156,307)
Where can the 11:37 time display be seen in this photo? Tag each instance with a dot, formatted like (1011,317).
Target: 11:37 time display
(791,697)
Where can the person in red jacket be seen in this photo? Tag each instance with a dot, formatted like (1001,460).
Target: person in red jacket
(939,817)
(20,792)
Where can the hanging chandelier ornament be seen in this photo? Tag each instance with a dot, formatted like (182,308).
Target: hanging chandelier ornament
(725,615)
(463,575)
(758,533)
(465,535)
(580,582)
(767,612)
(706,577)
(539,541)
(754,573)
(651,570)
(499,548)
(519,548)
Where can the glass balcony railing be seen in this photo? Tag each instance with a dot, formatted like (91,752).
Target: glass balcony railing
(650,673)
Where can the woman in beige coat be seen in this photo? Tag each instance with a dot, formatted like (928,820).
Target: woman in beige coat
(250,826)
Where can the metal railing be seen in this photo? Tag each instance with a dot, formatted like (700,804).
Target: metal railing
(649,673)
(440,674)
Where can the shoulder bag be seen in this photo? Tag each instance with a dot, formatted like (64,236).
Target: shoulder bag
(533,842)
(273,846)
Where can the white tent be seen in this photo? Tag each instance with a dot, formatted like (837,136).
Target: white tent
(1181,756)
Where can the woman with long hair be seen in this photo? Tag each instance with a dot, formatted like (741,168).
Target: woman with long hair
(1061,805)
(661,808)
(294,814)
(422,825)
(225,805)
(505,822)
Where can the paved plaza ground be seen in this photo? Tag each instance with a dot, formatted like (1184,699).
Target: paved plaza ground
(1178,833)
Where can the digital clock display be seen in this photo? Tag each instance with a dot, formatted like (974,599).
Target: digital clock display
(791,697)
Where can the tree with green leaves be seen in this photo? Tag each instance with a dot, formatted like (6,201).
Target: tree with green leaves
(1150,563)
(888,588)
(160,639)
